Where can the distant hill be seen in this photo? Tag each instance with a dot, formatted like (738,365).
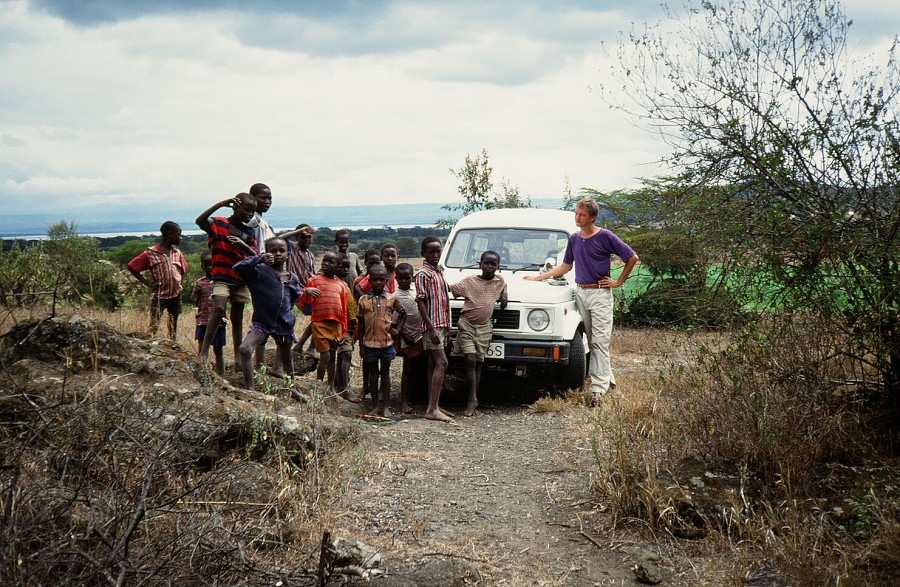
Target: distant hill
(146,219)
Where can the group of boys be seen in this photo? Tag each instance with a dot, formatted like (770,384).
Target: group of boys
(375,305)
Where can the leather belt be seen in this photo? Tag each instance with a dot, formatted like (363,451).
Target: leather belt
(588,285)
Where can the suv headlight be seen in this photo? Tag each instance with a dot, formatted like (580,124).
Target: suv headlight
(538,319)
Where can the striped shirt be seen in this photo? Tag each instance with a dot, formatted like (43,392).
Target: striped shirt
(376,313)
(224,255)
(201,294)
(301,263)
(331,304)
(431,288)
(167,269)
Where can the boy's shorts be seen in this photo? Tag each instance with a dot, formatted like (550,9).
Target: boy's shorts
(171,305)
(442,333)
(278,338)
(346,346)
(326,334)
(472,338)
(375,354)
(218,339)
(238,294)
(410,350)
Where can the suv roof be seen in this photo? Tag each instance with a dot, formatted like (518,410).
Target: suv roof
(520,218)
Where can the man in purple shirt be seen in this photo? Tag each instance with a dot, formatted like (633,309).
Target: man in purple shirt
(589,251)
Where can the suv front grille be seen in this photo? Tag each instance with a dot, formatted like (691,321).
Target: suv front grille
(501,319)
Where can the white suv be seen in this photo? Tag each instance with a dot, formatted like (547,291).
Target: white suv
(540,329)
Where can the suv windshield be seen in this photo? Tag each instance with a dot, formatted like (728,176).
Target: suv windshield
(519,248)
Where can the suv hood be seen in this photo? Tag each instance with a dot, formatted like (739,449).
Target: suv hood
(518,289)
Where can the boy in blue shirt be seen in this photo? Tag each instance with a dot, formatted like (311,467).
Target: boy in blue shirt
(274,291)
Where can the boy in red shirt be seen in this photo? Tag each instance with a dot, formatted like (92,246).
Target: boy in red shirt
(201,295)
(167,267)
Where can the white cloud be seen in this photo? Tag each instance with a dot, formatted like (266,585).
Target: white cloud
(325,108)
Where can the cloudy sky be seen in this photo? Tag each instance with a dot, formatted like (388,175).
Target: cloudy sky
(183,102)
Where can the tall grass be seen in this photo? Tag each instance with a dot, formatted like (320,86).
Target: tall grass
(773,408)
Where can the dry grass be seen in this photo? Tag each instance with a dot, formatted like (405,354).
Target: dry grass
(101,485)
(772,412)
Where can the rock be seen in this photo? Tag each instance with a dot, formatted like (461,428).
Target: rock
(450,572)
(353,553)
(646,568)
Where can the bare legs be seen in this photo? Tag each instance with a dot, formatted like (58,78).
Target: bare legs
(380,386)
(473,379)
(437,368)
(215,321)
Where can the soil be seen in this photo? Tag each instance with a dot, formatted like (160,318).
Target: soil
(506,489)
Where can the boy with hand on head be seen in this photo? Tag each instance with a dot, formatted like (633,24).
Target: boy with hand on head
(345,350)
(167,267)
(274,291)
(410,333)
(434,307)
(224,233)
(474,332)
(328,295)
(376,335)
(201,295)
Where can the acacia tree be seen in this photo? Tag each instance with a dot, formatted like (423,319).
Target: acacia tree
(786,152)
(475,187)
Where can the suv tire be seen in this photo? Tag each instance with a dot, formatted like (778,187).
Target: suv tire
(574,373)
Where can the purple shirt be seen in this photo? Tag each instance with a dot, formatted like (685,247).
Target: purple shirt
(591,255)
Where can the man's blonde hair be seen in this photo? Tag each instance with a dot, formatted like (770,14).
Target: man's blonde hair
(590,205)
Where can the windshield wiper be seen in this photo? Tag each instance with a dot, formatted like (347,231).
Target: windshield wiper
(528,266)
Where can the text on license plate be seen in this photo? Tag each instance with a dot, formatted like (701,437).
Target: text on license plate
(495,350)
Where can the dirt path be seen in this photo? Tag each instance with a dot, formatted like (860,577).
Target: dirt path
(506,489)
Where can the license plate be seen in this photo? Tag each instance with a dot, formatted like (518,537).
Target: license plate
(495,350)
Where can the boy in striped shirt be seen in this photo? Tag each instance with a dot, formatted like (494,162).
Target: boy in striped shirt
(228,285)
(434,307)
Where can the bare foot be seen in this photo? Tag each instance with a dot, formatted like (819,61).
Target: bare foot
(470,409)
(405,408)
(274,373)
(438,415)
(446,413)
(350,396)
(381,412)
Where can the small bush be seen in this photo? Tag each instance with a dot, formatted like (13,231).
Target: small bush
(674,302)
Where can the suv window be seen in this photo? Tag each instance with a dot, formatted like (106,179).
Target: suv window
(519,248)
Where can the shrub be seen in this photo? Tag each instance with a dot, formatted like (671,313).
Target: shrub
(675,302)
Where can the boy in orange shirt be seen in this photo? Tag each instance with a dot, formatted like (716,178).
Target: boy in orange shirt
(328,296)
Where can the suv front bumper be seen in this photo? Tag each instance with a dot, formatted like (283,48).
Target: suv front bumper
(534,352)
